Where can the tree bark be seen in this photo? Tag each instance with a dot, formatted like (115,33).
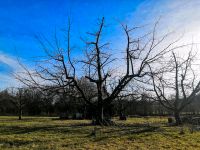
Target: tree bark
(99,117)
(20,114)
(177,117)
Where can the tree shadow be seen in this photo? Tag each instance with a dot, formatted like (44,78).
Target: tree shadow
(15,129)
(119,131)
(16,143)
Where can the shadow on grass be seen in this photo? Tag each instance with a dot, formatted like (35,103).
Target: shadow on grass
(116,132)
(15,143)
(119,131)
(81,129)
(52,128)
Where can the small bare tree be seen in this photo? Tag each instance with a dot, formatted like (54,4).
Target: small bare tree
(176,84)
(18,98)
(59,70)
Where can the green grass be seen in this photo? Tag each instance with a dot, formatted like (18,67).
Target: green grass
(40,133)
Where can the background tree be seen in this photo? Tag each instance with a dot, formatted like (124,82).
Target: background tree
(176,85)
(19,99)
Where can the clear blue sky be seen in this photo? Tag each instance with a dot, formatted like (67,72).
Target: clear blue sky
(20,20)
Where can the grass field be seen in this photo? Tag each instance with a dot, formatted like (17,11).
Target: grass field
(40,133)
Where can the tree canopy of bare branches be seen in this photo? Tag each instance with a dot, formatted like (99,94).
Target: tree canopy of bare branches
(60,73)
(176,85)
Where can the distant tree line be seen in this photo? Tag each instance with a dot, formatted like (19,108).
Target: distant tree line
(30,102)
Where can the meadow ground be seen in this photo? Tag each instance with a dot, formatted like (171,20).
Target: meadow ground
(40,133)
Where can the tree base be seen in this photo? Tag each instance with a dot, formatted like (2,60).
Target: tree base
(122,118)
(104,122)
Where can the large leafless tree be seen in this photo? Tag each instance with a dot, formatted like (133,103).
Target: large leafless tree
(60,71)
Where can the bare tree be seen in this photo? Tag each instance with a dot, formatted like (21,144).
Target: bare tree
(59,70)
(18,99)
(176,84)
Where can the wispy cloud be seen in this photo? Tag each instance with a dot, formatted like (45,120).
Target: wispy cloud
(7,78)
(179,15)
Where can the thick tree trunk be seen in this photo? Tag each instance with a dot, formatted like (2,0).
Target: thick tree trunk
(20,114)
(177,117)
(99,118)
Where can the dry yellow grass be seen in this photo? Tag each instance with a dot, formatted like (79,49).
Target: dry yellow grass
(40,133)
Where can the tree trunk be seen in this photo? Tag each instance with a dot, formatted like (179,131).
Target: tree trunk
(20,114)
(177,117)
(99,118)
